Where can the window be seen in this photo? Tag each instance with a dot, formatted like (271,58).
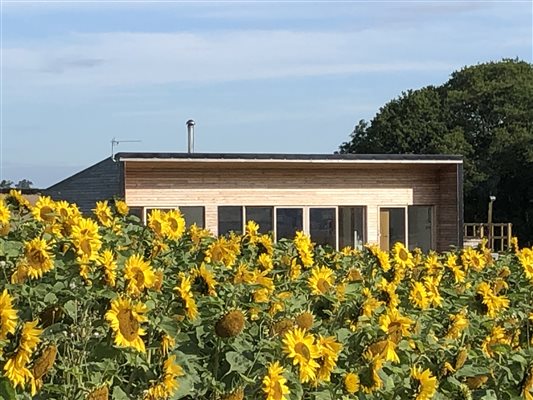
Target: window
(137,211)
(263,216)
(391,227)
(420,227)
(229,219)
(193,215)
(288,221)
(322,226)
(352,230)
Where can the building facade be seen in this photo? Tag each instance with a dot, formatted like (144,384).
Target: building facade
(340,200)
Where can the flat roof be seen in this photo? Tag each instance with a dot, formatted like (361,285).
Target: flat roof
(275,157)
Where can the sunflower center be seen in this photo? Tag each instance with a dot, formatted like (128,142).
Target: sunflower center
(139,277)
(128,325)
(173,224)
(323,285)
(403,255)
(36,257)
(302,350)
(47,213)
(85,246)
(277,391)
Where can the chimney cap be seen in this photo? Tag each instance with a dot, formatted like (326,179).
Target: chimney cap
(190,122)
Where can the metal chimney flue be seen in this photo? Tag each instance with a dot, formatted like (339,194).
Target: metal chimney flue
(190,136)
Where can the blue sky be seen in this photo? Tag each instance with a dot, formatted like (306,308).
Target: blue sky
(279,77)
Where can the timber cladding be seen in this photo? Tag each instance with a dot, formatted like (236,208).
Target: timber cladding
(155,184)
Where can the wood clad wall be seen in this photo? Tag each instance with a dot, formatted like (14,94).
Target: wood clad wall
(448,220)
(102,181)
(170,184)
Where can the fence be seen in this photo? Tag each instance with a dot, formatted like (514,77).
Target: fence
(498,234)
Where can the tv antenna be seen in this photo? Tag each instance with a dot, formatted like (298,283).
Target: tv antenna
(115,142)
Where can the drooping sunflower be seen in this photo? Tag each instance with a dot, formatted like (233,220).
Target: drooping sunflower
(109,264)
(184,290)
(139,274)
(274,384)
(41,366)
(301,347)
(37,258)
(175,224)
(432,287)
(204,279)
(383,350)
(370,303)
(230,325)
(8,315)
(388,293)
(427,383)
(125,319)
(418,296)
(321,280)
(44,209)
(103,213)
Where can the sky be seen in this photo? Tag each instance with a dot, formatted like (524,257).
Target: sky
(256,76)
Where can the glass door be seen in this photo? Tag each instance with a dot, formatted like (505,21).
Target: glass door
(288,221)
(322,226)
(391,227)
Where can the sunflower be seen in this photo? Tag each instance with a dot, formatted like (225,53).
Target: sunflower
(329,350)
(401,256)
(125,319)
(184,290)
(86,238)
(384,350)
(167,343)
(122,207)
(351,382)
(265,261)
(157,222)
(100,393)
(395,325)
(458,323)
(370,381)
(304,246)
(432,263)
(139,274)
(37,259)
(8,315)
(5,215)
(471,258)
(103,213)
(432,287)
(498,336)
(419,296)
(167,385)
(493,302)
(230,325)
(18,198)
(527,386)
(16,367)
(109,264)
(321,280)
(44,209)
(252,230)
(205,280)
(383,259)
(370,304)
(274,384)
(388,293)
(175,224)
(427,383)
(525,256)
(223,250)
(41,366)
(458,273)
(301,347)
(197,234)
(305,320)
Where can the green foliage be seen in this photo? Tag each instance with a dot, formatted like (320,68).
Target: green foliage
(485,113)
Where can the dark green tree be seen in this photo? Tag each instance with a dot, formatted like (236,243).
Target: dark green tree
(6,184)
(24,184)
(483,112)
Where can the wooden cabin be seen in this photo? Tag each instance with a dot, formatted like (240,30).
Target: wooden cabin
(339,199)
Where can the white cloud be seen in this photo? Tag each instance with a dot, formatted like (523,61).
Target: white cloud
(108,59)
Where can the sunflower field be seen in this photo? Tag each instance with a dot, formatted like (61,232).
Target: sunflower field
(104,307)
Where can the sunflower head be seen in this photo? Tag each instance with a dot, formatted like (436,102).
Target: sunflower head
(351,382)
(45,362)
(279,328)
(122,207)
(305,320)
(230,325)
(175,224)
(125,319)
(237,394)
(101,393)
(103,213)
(44,209)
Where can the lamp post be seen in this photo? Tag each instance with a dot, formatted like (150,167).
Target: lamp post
(492,199)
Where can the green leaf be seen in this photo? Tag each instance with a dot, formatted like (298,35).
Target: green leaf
(238,362)
(6,390)
(70,308)
(118,394)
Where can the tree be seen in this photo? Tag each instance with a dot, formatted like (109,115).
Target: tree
(24,184)
(483,112)
(6,184)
